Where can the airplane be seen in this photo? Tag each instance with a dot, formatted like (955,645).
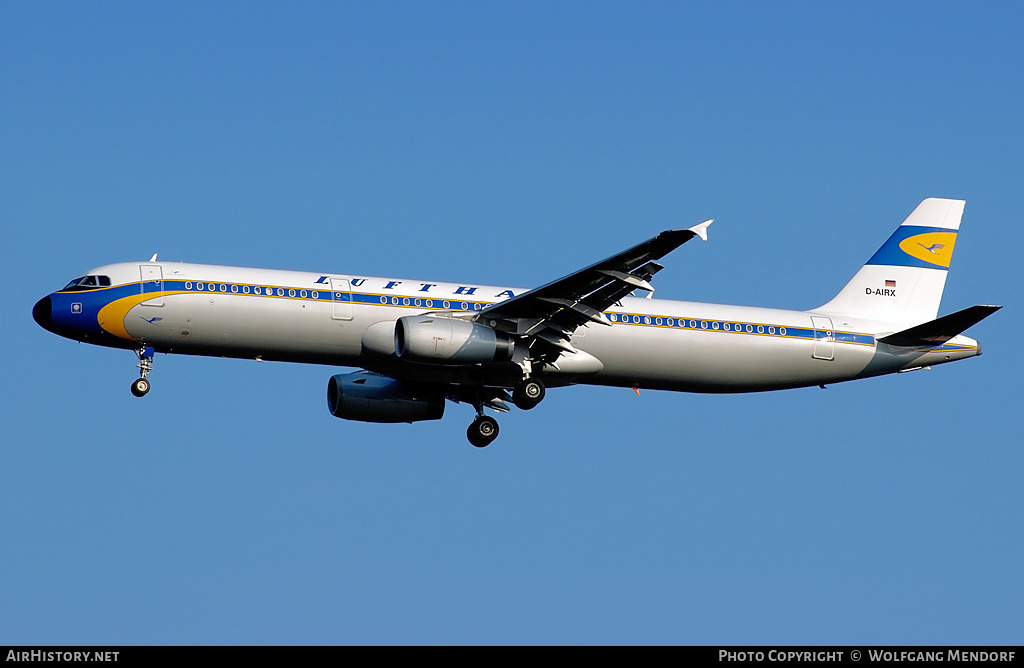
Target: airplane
(421,343)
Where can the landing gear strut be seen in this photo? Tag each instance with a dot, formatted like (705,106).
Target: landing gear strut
(484,429)
(140,387)
(528,393)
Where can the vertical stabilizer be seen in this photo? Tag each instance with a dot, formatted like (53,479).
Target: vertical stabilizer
(902,283)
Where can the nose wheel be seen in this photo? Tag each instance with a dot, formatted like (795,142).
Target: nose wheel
(141,385)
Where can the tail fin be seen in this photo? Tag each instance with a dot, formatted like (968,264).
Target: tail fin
(902,283)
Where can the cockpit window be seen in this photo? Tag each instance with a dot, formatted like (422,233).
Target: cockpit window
(87,283)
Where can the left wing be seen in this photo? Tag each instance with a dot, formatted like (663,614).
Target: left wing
(551,313)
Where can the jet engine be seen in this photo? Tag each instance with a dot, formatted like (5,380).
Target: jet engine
(370,397)
(450,341)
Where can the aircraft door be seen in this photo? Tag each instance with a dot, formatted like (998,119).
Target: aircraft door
(824,338)
(152,277)
(341,299)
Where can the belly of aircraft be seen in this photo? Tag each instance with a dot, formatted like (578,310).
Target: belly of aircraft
(717,361)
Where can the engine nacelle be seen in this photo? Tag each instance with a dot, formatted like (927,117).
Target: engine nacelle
(370,397)
(450,341)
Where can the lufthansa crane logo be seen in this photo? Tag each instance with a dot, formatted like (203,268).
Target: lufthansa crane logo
(932,247)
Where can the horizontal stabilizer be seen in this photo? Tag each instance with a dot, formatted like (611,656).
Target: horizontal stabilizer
(936,332)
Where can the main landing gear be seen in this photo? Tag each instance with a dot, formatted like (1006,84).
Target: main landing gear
(484,429)
(140,387)
(528,393)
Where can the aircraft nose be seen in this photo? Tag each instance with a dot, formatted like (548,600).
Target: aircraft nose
(42,312)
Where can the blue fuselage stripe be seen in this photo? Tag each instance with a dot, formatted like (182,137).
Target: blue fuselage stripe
(89,302)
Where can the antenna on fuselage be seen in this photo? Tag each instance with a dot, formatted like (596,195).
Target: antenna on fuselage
(153,259)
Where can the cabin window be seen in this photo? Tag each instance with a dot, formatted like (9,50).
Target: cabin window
(245,289)
(234,288)
(188,285)
(291,293)
(714,325)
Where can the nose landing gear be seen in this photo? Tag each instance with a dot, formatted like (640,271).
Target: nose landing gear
(140,387)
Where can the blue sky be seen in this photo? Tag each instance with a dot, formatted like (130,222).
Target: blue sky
(509,145)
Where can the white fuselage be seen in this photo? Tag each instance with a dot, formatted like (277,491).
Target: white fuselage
(345,320)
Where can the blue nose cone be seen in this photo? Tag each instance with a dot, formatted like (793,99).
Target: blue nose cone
(42,313)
